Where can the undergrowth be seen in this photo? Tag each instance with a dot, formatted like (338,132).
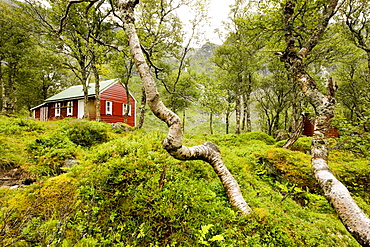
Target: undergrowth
(127,191)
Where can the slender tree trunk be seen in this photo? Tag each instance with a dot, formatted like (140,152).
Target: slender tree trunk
(247,125)
(276,121)
(125,84)
(2,89)
(295,121)
(85,88)
(244,119)
(173,142)
(227,122)
(125,117)
(97,93)
(352,217)
(238,113)
(142,108)
(247,112)
(211,123)
(247,104)
(183,120)
(295,136)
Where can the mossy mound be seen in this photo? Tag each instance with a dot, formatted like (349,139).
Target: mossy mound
(128,191)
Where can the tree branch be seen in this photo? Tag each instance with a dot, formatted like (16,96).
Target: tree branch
(69,5)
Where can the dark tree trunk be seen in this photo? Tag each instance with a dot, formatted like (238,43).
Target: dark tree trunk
(238,113)
(247,124)
(183,120)
(227,122)
(142,108)
(97,93)
(125,117)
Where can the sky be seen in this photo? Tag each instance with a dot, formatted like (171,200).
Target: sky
(218,12)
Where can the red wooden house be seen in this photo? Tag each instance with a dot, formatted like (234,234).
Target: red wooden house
(309,127)
(70,103)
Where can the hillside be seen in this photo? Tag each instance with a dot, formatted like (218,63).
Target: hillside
(87,184)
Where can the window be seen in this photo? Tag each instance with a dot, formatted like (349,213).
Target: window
(126,109)
(69,108)
(57,109)
(108,107)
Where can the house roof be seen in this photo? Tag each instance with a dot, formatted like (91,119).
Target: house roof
(76,92)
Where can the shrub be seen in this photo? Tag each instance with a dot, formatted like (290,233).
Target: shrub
(49,153)
(14,125)
(237,140)
(86,133)
(303,144)
(258,136)
(9,154)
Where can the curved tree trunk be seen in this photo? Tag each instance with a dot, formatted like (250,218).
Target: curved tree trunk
(352,217)
(296,134)
(173,142)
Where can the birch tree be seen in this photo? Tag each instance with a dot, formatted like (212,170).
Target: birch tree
(294,56)
(208,152)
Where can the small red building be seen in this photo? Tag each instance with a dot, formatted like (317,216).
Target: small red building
(309,127)
(70,103)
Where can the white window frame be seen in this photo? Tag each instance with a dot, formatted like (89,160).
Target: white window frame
(109,107)
(57,109)
(70,108)
(126,107)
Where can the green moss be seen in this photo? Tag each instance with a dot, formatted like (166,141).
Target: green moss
(303,144)
(290,166)
(128,191)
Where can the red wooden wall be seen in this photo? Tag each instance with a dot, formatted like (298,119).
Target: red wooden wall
(116,93)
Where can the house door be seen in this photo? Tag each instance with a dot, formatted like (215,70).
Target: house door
(80,108)
(44,113)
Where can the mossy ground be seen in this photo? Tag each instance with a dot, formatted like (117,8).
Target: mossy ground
(127,191)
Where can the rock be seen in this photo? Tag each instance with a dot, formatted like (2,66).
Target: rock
(122,126)
(14,177)
(70,163)
(281,135)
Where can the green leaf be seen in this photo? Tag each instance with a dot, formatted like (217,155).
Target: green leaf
(217,238)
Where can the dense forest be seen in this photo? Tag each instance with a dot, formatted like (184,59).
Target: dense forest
(238,106)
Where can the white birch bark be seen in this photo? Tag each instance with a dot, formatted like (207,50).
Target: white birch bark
(352,217)
(173,142)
